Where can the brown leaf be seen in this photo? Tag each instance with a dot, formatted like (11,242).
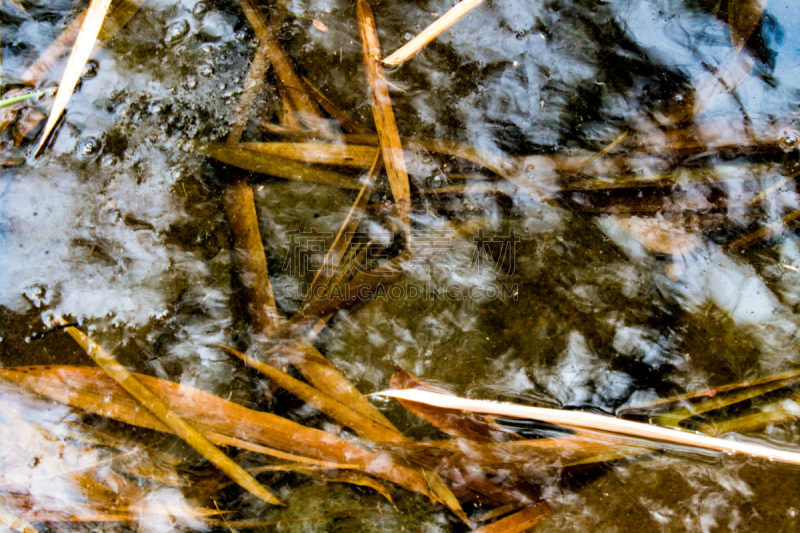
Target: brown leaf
(167,416)
(518,522)
(743,18)
(345,155)
(362,424)
(276,166)
(442,493)
(330,263)
(251,259)
(90,389)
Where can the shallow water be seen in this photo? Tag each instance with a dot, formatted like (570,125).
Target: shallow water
(600,295)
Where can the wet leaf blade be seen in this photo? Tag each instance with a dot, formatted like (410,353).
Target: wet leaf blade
(442,493)
(346,155)
(90,389)
(439,26)
(238,202)
(391,146)
(84,44)
(330,380)
(344,120)
(167,416)
(275,166)
(343,414)
(519,521)
(296,90)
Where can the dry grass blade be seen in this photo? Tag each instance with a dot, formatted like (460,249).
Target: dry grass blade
(90,28)
(518,522)
(181,428)
(361,424)
(90,389)
(391,147)
(239,205)
(276,166)
(442,493)
(743,18)
(591,421)
(412,47)
(347,123)
(345,155)
(330,263)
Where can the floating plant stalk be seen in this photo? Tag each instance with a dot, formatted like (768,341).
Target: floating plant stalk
(591,421)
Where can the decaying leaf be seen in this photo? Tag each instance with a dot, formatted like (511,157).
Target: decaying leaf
(167,416)
(90,389)
(441,492)
(276,166)
(519,521)
(454,423)
(362,424)
(743,18)
(330,263)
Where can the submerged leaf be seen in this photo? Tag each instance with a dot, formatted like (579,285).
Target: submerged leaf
(157,407)
(442,493)
(519,521)
(454,423)
(743,18)
(92,390)
(273,165)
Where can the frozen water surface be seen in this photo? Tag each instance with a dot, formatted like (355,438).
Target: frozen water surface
(666,265)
